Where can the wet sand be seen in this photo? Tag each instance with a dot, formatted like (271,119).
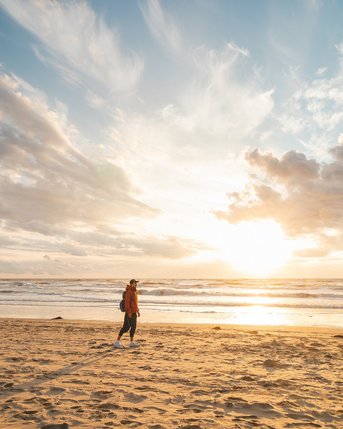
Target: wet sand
(58,374)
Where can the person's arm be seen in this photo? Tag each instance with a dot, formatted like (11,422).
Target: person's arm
(128,307)
(136,304)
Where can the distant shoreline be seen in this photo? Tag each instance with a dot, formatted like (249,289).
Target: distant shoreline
(219,326)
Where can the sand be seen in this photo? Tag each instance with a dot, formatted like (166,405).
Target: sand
(65,374)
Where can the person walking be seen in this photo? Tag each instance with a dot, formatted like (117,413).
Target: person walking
(131,314)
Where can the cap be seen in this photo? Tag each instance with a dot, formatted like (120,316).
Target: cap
(133,281)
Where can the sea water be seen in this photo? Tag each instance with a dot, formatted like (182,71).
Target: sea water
(288,302)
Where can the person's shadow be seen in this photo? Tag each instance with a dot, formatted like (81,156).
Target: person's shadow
(69,369)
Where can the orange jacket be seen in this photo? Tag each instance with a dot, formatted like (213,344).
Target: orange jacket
(131,300)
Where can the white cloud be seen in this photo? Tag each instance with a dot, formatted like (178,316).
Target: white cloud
(56,200)
(96,101)
(339,48)
(217,110)
(78,43)
(303,195)
(321,71)
(192,143)
(218,102)
(321,103)
(162,26)
(45,178)
(291,124)
(311,114)
(90,241)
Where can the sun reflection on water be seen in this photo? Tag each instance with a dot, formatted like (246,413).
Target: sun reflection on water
(260,315)
(261,300)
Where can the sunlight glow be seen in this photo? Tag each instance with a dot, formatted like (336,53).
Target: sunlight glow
(257,248)
(259,315)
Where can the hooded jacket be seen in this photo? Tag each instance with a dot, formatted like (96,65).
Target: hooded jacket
(131,300)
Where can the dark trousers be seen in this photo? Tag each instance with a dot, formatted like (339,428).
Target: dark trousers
(129,323)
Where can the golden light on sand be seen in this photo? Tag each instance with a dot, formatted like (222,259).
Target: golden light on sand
(258,248)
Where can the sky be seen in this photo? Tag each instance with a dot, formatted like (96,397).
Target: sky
(171,139)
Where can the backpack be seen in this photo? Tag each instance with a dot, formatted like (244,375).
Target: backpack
(122,303)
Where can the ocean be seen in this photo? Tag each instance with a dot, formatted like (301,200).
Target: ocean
(273,302)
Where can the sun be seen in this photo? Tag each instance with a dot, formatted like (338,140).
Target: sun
(257,248)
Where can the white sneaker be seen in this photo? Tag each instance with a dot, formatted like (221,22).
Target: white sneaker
(133,344)
(117,345)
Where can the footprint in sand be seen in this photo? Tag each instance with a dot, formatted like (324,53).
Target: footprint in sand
(55,390)
(252,420)
(258,409)
(24,416)
(261,409)
(191,426)
(156,427)
(136,410)
(133,398)
(100,346)
(301,425)
(199,392)
(145,367)
(131,423)
(300,416)
(76,392)
(42,361)
(157,409)
(78,381)
(77,409)
(101,394)
(272,365)
(176,400)
(56,426)
(108,406)
(289,406)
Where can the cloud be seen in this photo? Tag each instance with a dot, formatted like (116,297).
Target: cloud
(43,266)
(101,241)
(169,247)
(78,43)
(96,101)
(324,99)
(321,71)
(218,101)
(45,179)
(91,257)
(303,195)
(191,144)
(217,108)
(55,200)
(162,26)
(292,167)
(315,107)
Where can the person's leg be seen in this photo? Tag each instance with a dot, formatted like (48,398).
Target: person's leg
(133,323)
(125,328)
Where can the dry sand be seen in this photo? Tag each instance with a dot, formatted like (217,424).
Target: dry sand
(65,374)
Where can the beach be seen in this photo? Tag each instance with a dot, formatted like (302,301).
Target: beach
(66,374)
